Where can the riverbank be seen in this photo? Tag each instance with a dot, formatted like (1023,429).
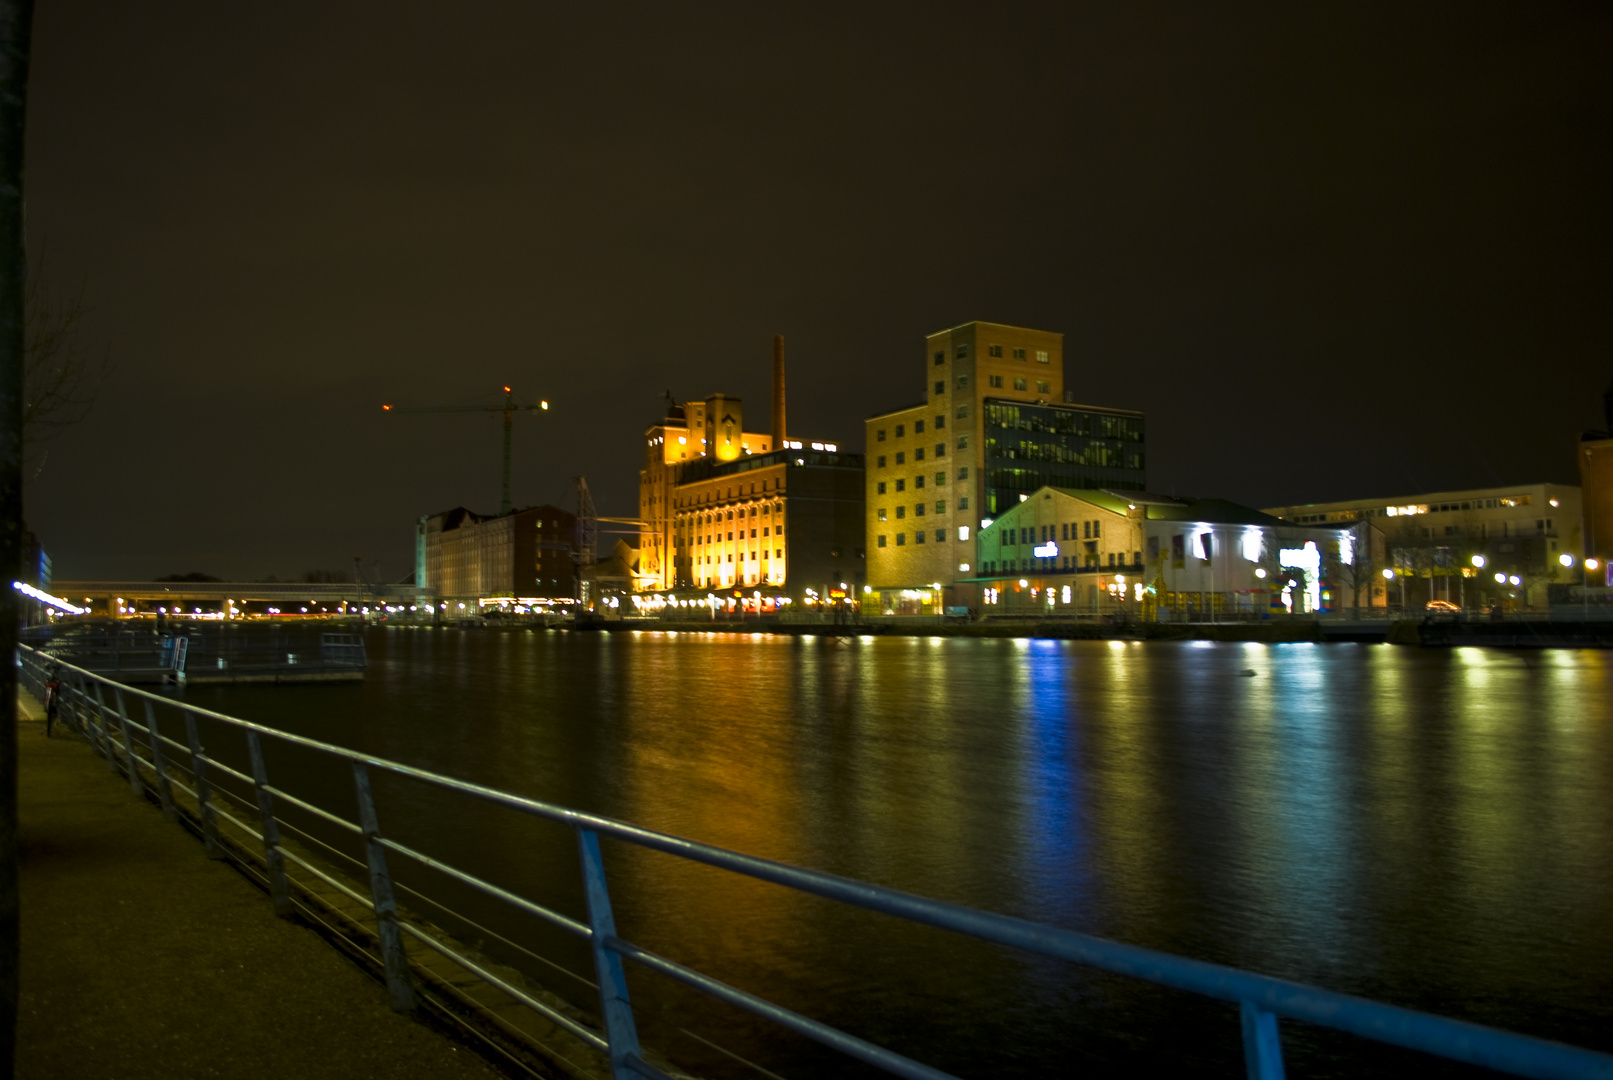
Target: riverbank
(142,958)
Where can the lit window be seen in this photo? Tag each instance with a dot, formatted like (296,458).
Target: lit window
(963,534)
(940,506)
(881,513)
(1041,356)
(1019,384)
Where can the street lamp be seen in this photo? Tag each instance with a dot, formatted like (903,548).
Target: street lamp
(1389,575)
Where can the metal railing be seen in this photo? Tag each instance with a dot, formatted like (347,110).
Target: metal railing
(98,709)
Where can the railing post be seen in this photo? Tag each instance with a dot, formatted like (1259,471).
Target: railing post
(204,792)
(98,707)
(273,860)
(1262,1045)
(136,784)
(159,762)
(393,957)
(614,1007)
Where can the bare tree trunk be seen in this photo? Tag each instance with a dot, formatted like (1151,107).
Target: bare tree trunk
(16,26)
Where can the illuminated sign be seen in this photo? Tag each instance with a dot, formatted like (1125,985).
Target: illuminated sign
(1049,550)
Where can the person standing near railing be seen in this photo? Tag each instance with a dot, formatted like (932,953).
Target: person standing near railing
(53,697)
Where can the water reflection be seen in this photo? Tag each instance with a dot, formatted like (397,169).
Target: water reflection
(1435,828)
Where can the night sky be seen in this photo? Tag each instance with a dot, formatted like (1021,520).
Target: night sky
(1330,253)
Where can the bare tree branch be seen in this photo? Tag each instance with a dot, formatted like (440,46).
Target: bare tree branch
(60,381)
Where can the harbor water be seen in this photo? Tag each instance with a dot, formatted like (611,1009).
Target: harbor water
(1431,828)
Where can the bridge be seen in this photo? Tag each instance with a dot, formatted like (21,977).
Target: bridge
(129,597)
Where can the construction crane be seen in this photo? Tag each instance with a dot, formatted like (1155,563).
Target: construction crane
(510,407)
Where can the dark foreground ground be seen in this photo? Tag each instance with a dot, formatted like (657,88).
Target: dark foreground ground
(141,958)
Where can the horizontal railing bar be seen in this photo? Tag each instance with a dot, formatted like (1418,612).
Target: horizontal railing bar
(833,1037)
(284,824)
(214,763)
(333,882)
(644,1068)
(591,1038)
(1456,1039)
(312,809)
(239,824)
(563,922)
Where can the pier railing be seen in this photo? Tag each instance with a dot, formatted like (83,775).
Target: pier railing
(109,716)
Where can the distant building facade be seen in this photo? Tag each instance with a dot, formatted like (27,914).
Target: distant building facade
(1074,552)
(998,422)
(723,508)
(1430,541)
(527,555)
(1596,486)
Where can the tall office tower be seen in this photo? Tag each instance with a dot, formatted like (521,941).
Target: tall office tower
(996,422)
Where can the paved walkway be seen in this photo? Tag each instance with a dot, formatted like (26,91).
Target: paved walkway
(141,958)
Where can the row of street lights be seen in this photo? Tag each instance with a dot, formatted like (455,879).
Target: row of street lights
(1514,580)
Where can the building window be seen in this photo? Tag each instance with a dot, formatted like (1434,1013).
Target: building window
(901,512)
(963,442)
(918,455)
(918,537)
(901,539)
(963,410)
(880,542)
(918,427)
(901,429)
(1019,384)
(940,358)
(879,436)
(881,488)
(940,388)
(963,502)
(962,352)
(881,513)
(1019,354)
(940,478)
(940,422)
(940,536)
(1043,386)
(918,481)
(1041,356)
(963,473)
(940,506)
(963,382)
(901,457)
(995,380)
(901,485)
(881,460)
(994,350)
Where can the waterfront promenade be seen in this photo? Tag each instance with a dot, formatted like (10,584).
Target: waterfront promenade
(142,958)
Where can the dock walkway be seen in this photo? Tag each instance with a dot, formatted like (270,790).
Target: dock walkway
(142,958)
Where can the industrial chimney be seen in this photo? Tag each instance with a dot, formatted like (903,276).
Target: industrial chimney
(778,391)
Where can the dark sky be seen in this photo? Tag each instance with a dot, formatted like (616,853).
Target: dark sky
(1331,252)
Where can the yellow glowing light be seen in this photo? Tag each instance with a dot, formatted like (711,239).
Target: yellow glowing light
(1592,564)
(545,405)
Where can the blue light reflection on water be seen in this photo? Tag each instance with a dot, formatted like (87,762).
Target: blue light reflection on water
(1434,828)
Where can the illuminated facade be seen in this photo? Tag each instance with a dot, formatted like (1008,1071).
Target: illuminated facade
(725,508)
(1596,484)
(1071,552)
(526,555)
(1429,542)
(996,424)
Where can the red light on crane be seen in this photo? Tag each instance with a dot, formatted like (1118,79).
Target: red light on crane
(506,389)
